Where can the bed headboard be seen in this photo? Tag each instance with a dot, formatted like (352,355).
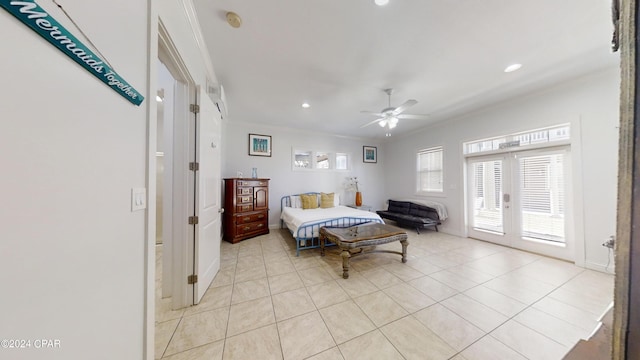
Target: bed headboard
(285,201)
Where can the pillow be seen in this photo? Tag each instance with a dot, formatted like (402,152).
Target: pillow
(326,200)
(336,199)
(309,201)
(295,201)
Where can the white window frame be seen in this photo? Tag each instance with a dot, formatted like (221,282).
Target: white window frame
(419,172)
(532,139)
(313,166)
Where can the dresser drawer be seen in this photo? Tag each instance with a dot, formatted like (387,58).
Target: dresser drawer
(245,191)
(253,183)
(251,227)
(249,218)
(244,208)
(243,200)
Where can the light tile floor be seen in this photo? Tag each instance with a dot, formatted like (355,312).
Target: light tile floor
(455,298)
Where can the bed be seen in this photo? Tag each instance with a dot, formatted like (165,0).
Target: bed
(305,224)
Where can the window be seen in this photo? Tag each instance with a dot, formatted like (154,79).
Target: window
(342,161)
(532,138)
(430,172)
(308,160)
(322,160)
(302,159)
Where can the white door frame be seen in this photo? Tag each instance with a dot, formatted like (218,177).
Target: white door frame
(181,251)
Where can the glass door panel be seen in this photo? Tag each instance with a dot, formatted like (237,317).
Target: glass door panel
(487,196)
(542,197)
(487,200)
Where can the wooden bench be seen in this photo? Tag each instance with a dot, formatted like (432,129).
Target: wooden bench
(352,240)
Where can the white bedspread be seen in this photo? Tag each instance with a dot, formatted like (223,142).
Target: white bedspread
(296,217)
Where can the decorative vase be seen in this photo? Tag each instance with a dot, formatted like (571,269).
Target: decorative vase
(358,198)
(254,173)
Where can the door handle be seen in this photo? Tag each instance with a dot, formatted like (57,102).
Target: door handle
(221,210)
(506,197)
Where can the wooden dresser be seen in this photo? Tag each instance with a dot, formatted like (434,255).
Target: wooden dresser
(246,208)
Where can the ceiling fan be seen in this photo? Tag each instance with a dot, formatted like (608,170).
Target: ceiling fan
(389,116)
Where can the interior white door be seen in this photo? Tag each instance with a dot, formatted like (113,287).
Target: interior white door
(208,195)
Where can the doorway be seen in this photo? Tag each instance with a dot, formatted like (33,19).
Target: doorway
(191,184)
(519,199)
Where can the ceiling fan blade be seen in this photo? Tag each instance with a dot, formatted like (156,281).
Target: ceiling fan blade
(372,122)
(404,106)
(372,113)
(413,116)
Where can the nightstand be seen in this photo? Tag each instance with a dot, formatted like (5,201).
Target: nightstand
(361,207)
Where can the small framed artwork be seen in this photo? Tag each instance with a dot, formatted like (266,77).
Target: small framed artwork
(259,145)
(370,154)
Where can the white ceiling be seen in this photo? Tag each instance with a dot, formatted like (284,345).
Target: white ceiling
(449,55)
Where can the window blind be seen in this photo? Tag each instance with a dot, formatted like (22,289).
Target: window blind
(430,170)
(542,197)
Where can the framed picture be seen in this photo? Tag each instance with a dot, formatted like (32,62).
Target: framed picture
(370,154)
(259,145)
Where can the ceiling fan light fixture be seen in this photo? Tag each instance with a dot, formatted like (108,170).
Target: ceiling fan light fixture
(383,123)
(512,68)
(393,122)
(381,2)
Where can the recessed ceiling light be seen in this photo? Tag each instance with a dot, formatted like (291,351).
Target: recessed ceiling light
(381,2)
(306,105)
(512,67)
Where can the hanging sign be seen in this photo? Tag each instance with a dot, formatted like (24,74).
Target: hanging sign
(32,15)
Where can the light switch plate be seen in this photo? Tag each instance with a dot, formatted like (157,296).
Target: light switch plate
(138,199)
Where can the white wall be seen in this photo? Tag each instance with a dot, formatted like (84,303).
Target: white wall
(285,181)
(589,103)
(71,149)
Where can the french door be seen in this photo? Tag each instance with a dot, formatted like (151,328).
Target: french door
(520,199)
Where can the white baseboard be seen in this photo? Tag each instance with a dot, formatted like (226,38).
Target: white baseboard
(601,267)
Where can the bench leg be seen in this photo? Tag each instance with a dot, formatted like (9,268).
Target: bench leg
(321,245)
(404,243)
(345,263)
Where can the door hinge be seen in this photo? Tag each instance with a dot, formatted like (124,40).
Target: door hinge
(194,166)
(194,108)
(193,220)
(192,279)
